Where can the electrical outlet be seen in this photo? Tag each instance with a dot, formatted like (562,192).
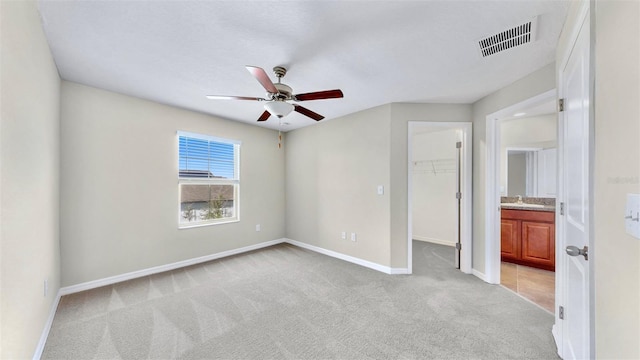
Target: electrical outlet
(257,227)
(343,235)
(353,236)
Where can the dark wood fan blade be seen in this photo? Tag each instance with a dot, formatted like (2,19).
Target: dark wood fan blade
(265,115)
(225,97)
(307,112)
(319,95)
(262,78)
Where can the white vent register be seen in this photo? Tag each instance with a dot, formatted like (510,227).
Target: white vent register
(510,38)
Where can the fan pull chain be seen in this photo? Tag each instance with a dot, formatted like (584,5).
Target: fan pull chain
(279,139)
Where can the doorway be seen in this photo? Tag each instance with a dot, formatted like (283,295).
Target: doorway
(439,188)
(521,246)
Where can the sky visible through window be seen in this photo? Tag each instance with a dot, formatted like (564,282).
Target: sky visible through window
(200,158)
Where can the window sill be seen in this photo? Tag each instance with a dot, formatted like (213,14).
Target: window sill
(189,226)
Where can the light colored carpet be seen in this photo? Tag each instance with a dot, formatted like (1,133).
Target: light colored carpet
(284,302)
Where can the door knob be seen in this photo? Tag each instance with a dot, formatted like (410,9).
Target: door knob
(575,251)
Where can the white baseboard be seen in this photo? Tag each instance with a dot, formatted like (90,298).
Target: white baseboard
(434,240)
(351,259)
(162,268)
(47,327)
(479,275)
(399,271)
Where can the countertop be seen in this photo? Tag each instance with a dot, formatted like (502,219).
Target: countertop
(549,208)
(549,204)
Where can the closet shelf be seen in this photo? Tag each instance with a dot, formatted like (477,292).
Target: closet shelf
(434,166)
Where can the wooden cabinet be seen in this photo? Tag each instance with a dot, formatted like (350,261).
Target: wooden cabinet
(528,238)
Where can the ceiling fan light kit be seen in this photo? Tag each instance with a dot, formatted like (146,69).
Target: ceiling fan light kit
(278,108)
(279,95)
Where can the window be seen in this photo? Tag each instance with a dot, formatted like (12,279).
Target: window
(208,180)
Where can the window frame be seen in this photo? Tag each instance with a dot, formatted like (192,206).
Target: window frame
(210,181)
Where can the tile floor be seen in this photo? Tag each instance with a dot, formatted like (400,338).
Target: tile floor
(534,284)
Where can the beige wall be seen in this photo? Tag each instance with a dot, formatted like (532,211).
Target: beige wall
(119,193)
(333,170)
(434,185)
(617,171)
(530,132)
(29,127)
(531,85)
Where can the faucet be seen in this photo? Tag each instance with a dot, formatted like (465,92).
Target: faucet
(519,199)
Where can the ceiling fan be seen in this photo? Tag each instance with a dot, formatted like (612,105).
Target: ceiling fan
(279,95)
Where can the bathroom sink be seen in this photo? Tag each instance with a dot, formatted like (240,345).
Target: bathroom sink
(524,205)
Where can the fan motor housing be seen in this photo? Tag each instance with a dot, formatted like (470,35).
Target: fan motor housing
(284,92)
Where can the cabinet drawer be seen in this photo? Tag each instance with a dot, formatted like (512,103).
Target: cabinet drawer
(530,215)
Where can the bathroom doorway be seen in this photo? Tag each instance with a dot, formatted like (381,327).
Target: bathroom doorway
(526,178)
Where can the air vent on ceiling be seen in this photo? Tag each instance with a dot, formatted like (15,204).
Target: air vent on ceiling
(516,36)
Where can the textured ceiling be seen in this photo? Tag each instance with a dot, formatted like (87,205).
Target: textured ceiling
(176,52)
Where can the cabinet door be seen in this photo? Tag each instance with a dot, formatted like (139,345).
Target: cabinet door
(509,239)
(538,244)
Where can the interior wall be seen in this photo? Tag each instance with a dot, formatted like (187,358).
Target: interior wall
(29,178)
(536,83)
(401,114)
(616,174)
(119,185)
(333,170)
(529,132)
(434,185)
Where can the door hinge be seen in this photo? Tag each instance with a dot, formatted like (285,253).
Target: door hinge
(458,195)
(561,312)
(458,246)
(561,208)
(560,105)
(459,145)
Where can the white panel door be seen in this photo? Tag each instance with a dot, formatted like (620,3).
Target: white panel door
(574,274)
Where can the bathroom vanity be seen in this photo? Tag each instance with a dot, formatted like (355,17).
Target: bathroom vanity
(527,235)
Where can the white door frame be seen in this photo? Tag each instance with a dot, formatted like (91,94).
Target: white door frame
(467,195)
(492,191)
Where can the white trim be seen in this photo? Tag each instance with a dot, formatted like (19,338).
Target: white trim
(467,190)
(399,271)
(479,275)
(158,269)
(208,137)
(435,241)
(349,258)
(47,327)
(492,189)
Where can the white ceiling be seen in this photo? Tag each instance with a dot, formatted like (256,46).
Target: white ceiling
(176,52)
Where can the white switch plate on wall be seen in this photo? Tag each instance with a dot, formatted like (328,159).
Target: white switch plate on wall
(380,190)
(632,215)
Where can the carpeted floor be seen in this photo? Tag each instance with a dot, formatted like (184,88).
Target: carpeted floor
(284,302)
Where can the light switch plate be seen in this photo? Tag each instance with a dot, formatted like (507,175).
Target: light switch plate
(380,190)
(632,215)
